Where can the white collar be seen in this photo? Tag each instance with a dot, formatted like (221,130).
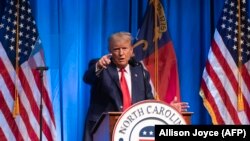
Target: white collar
(126,68)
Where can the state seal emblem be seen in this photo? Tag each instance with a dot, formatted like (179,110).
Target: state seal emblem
(137,122)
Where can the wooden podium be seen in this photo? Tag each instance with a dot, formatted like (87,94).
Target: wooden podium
(104,127)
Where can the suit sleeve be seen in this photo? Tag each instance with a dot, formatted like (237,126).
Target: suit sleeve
(90,74)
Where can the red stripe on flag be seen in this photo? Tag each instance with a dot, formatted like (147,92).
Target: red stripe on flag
(8,116)
(33,104)
(24,84)
(46,98)
(23,113)
(32,101)
(25,116)
(225,66)
(212,103)
(223,94)
(2,136)
(246,77)
(229,73)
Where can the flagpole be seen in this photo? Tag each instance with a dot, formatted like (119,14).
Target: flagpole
(16,110)
(156,37)
(240,96)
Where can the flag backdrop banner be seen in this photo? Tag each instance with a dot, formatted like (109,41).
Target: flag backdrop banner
(225,85)
(20,83)
(155,50)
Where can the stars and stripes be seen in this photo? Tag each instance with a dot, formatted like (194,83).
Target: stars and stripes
(20,53)
(225,85)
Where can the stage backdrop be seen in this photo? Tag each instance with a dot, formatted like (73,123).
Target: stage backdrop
(75,31)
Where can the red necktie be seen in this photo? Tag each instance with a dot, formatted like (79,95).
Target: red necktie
(125,91)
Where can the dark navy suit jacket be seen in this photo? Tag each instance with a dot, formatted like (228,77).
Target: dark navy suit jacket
(106,95)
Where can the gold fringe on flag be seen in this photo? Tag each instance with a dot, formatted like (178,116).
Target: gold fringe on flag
(16,110)
(240,101)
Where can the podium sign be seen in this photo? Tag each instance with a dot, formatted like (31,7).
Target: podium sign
(138,122)
(132,123)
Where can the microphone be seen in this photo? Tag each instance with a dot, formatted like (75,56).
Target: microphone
(42,68)
(132,61)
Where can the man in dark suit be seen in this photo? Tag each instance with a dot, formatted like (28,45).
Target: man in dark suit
(104,77)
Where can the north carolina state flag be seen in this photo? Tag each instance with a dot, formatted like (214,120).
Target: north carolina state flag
(157,53)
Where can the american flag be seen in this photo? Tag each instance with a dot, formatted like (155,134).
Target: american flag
(20,83)
(147,133)
(157,53)
(225,86)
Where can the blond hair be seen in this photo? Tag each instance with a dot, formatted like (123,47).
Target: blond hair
(120,37)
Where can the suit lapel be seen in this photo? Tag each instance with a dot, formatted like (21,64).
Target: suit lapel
(135,82)
(117,95)
(114,75)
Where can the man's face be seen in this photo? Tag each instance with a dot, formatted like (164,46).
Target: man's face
(121,53)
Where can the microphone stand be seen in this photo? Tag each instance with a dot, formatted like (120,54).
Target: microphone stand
(41,70)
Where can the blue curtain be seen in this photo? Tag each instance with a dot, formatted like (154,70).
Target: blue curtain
(75,31)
